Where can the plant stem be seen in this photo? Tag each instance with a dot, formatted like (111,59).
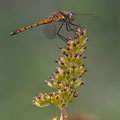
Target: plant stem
(63,113)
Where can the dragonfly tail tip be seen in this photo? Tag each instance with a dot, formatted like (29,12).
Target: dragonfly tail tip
(13,33)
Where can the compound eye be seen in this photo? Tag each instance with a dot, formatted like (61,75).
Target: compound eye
(72,13)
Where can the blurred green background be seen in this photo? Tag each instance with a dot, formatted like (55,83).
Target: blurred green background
(27,59)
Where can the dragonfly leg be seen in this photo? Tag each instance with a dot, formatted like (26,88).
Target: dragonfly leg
(63,38)
(74,24)
(68,27)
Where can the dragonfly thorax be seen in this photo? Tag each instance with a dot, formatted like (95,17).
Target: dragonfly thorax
(71,16)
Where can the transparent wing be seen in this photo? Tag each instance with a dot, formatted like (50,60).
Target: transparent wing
(50,30)
(85,19)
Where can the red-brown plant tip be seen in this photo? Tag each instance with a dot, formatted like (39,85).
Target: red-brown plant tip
(86,70)
(57,70)
(84,57)
(64,72)
(58,88)
(62,63)
(80,55)
(56,97)
(56,61)
(68,47)
(55,93)
(85,47)
(34,97)
(81,83)
(74,79)
(73,66)
(76,32)
(66,54)
(68,72)
(64,89)
(54,75)
(60,47)
(41,94)
(51,93)
(71,87)
(86,39)
(49,84)
(51,80)
(77,41)
(68,44)
(58,82)
(74,44)
(46,82)
(59,56)
(75,94)
(50,77)
(67,85)
(83,65)
(68,39)
(75,54)
(75,36)
(45,94)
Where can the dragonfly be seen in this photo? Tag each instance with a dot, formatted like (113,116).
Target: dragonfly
(61,17)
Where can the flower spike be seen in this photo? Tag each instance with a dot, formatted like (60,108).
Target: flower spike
(68,74)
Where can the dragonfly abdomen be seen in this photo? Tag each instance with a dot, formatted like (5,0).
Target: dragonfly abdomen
(44,21)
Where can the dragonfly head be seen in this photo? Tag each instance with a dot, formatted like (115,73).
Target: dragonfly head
(71,16)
